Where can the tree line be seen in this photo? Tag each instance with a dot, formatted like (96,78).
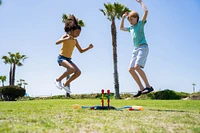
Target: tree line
(13,60)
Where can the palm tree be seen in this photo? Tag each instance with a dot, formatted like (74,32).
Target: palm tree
(14,60)
(8,60)
(113,11)
(25,84)
(65,17)
(3,79)
(21,82)
(17,58)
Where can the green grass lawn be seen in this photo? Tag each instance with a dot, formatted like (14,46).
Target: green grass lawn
(58,116)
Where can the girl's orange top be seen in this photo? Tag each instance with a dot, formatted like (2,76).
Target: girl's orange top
(68,47)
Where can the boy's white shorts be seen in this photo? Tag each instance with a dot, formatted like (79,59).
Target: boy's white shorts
(139,56)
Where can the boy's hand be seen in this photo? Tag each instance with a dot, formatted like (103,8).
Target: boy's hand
(125,14)
(90,46)
(139,1)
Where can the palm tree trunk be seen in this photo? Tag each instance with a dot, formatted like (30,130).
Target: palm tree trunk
(114,43)
(13,76)
(10,74)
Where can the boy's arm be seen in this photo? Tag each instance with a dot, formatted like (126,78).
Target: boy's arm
(145,10)
(122,22)
(83,50)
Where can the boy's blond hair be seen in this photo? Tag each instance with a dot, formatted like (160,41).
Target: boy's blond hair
(133,14)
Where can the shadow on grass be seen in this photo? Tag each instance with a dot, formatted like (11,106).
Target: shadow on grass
(169,110)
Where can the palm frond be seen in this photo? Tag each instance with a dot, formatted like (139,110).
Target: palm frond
(104,13)
(6,59)
(115,10)
(64,17)
(19,64)
(81,23)
(108,12)
(3,78)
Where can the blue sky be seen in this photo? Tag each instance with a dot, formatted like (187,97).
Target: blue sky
(32,27)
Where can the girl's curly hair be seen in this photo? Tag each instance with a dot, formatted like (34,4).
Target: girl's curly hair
(70,23)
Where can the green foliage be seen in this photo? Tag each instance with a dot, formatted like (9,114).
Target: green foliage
(113,11)
(183,94)
(25,98)
(72,96)
(151,95)
(126,95)
(159,95)
(166,95)
(10,93)
(14,60)
(2,79)
(65,17)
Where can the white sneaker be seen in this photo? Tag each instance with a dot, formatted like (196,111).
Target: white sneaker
(67,89)
(58,84)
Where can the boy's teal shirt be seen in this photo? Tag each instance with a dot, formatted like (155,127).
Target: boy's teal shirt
(137,33)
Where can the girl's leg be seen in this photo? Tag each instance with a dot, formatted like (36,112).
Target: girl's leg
(136,78)
(76,74)
(70,69)
(142,75)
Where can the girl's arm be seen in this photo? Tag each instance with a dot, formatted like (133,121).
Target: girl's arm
(83,50)
(145,10)
(63,38)
(122,22)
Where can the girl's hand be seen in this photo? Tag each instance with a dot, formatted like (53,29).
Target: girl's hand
(90,46)
(66,35)
(139,0)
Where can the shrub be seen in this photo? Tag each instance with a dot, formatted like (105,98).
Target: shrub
(10,93)
(166,95)
(151,95)
(126,95)
(183,94)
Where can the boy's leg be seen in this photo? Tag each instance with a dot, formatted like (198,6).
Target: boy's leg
(133,72)
(142,75)
(76,74)
(140,63)
(136,78)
